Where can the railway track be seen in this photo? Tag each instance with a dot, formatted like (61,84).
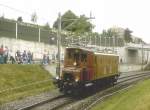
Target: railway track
(49,104)
(62,102)
(123,83)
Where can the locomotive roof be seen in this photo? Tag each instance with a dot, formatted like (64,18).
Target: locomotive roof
(96,52)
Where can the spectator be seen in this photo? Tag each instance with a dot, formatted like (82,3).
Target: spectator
(1,50)
(6,52)
(29,57)
(24,57)
(32,56)
(12,57)
(18,57)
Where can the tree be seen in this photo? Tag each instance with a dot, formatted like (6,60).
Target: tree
(73,23)
(127,35)
(20,19)
(109,33)
(81,25)
(66,18)
(46,26)
(34,17)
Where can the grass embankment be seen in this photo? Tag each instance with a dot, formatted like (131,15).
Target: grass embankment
(18,75)
(136,98)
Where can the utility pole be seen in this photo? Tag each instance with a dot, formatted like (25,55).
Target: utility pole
(58,45)
(95,41)
(113,44)
(100,40)
(91,27)
(142,57)
(16,30)
(39,34)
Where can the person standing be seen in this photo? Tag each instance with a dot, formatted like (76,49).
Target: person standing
(29,57)
(24,56)
(12,57)
(6,52)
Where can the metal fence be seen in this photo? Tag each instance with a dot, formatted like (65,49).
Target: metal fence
(30,32)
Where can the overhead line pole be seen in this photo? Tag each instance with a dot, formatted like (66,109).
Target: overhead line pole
(58,45)
(16,30)
(142,57)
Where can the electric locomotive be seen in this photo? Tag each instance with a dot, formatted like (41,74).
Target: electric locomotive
(84,67)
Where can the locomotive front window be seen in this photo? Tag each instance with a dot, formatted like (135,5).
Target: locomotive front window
(77,55)
(83,57)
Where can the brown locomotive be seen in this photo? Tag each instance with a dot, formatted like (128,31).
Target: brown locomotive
(84,67)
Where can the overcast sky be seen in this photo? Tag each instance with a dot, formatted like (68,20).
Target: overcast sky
(133,14)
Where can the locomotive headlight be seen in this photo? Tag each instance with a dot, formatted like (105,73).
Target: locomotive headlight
(57,77)
(74,63)
(76,79)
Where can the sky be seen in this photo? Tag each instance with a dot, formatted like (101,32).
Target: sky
(132,14)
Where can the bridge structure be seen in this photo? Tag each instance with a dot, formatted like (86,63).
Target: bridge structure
(137,47)
(135,53)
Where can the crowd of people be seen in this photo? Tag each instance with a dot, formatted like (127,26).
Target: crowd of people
(25,57)
(8,56)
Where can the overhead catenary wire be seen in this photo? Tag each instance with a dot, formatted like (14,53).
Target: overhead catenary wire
(20,11)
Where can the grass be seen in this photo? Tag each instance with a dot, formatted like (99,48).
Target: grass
(136,98)
(18,75)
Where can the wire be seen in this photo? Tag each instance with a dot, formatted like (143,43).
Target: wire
(14,9)
(20,11)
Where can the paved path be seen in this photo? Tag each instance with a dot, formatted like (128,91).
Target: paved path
(51,69)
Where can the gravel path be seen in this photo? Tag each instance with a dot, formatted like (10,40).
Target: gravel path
(29,100)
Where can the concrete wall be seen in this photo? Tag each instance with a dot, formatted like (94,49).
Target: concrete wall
(37,48)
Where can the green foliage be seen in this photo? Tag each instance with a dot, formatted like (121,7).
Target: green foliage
(109,33)
(73,23)
(81,25)
(47,27)
(20,19)
(127,35)
(66,19)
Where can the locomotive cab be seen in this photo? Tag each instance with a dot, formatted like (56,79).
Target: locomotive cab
(73,72)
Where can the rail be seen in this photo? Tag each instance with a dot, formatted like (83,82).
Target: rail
(64,102)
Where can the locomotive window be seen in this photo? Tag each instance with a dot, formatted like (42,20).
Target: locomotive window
(83,57)
(69,54)
(76,56)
